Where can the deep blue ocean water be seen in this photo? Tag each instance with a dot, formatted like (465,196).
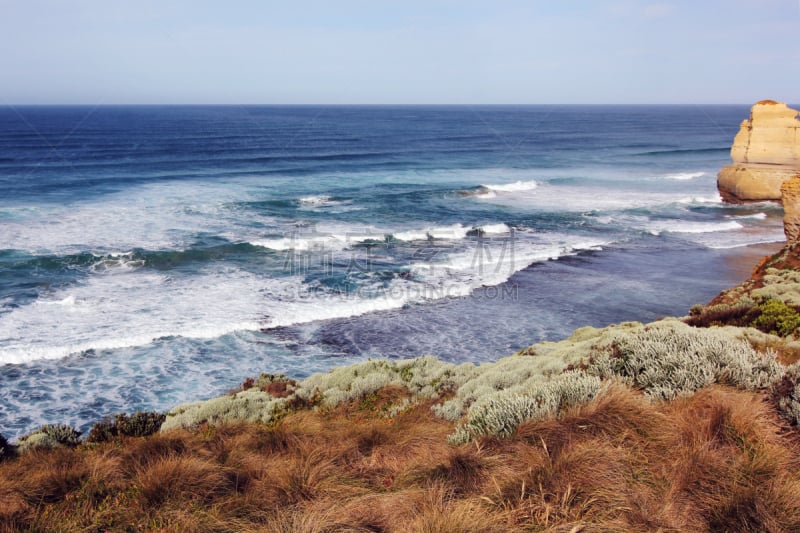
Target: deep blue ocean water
(153,255)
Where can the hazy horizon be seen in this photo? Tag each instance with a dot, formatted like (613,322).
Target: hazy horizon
(440,52)
(384,104)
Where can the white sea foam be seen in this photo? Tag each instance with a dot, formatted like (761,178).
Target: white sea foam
(712,199)
(107,312)
(494,229)
(493,263)
(299,243)
(315,199)
(322,238)
(110,312)
(754,216)
(166,216)
(516,186)
(485,194)
(572,198)
(453,232)
(320,200)
(341,238)
(67,301)
(683,176)
(752,241)
(747,236)
(116,263)
(687,226)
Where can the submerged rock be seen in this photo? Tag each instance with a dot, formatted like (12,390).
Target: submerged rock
(765,153)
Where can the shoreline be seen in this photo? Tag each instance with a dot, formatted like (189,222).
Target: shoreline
(539,289)
(657,426)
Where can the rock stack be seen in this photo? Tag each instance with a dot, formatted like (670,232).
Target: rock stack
(765,153)
(790,191)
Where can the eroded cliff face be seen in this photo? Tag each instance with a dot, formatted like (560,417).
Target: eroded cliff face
(777,275)
(765,153)
(790,191)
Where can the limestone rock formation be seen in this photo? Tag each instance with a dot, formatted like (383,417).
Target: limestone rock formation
(791,209)
(765,153)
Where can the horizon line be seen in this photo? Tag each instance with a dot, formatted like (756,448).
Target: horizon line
(298,104)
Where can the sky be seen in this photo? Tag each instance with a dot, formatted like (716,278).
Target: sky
(398,51)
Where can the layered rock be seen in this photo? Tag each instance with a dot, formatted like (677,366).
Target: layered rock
(790,190)
(776,276)
(765,153)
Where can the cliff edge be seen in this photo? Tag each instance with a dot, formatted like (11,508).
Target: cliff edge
(765,153)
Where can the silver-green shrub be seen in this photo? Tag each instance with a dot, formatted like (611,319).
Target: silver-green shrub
(665,359)
(49,436)
(424,377)
(787,394)
(668,359)
(783,285)
(35,440)
(532,368)
(500,414)
(510,375)
(251,405)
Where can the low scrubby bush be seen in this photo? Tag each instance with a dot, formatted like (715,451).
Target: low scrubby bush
(50,436)
(777,318)
(424,377)
(277,385)
(63,434)
(783,285)
(740,314)
(664,359)
(500,414)
(671,359)
(5,448)
(713,462)
(252,405)
(140,424)
(786,394)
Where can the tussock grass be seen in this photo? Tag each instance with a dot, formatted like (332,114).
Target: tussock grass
(719,460)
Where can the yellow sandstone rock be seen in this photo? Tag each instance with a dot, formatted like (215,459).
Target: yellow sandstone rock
(765,153)
(791,208)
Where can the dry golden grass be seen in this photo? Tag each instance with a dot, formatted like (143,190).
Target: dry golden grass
(717,461)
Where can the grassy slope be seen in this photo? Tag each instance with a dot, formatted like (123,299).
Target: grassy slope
(360,449)
(718,460)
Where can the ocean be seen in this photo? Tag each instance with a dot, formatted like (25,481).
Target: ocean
(151,255)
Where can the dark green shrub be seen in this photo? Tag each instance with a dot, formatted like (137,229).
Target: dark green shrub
(5,448)
(139,424)
(777,318)
(786,394)
(103,431)
(62,434)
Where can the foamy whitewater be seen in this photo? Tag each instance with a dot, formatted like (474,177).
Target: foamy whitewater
(154,255)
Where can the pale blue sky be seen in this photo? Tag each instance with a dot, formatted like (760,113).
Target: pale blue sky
(404,51)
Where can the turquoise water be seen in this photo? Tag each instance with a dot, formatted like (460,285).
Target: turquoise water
(152,255)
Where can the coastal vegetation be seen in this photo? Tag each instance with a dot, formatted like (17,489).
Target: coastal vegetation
(682,424)
(631,427)
(718,460)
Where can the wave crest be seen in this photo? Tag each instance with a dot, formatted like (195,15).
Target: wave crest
(683,176)
(516,186)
